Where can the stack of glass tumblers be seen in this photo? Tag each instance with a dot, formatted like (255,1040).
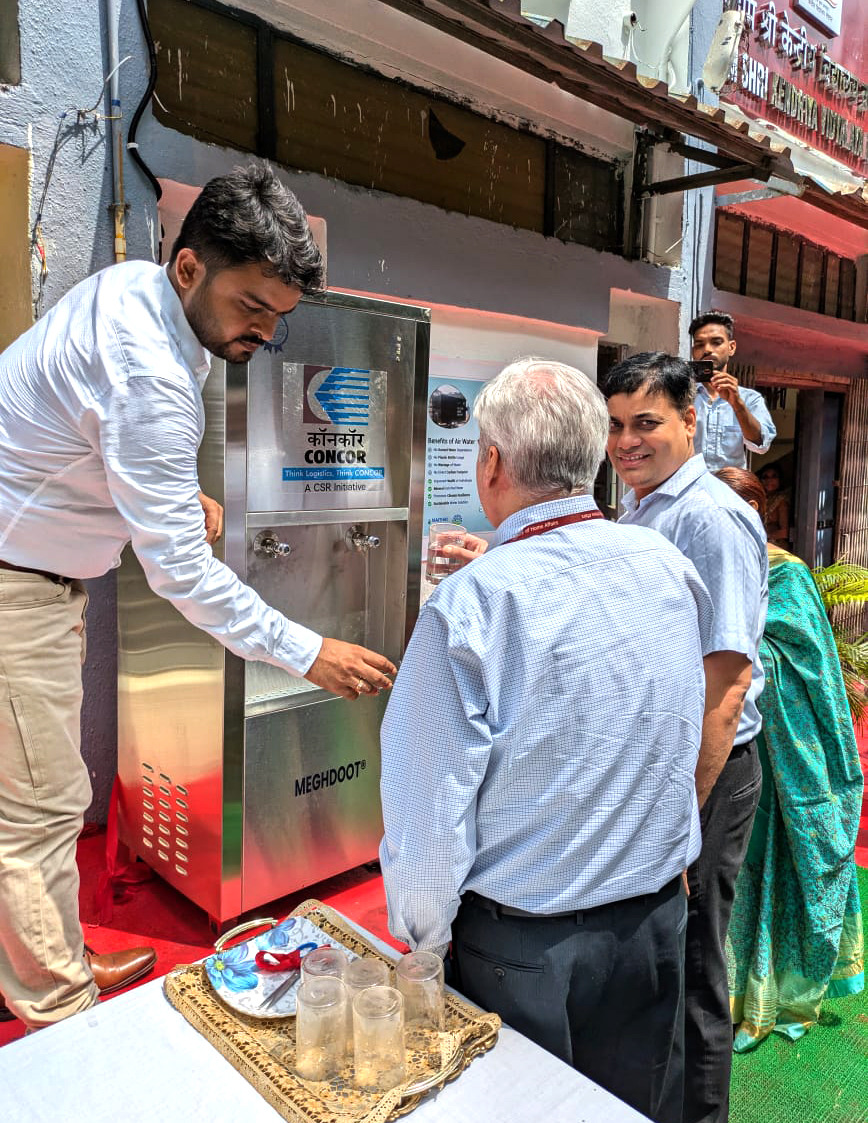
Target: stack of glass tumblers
(348,1013)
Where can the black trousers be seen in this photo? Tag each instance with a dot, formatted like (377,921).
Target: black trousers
(727,819)
(603,990)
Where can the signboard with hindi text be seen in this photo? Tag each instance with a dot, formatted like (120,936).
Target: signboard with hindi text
(811,83)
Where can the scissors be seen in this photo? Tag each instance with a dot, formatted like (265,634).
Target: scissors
(293,958)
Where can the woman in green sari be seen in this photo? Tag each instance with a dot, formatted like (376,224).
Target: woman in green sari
(795,936)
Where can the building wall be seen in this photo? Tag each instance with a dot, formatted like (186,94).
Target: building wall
(529,292)
(775,335)
(401,248)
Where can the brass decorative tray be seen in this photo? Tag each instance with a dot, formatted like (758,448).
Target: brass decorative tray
(264,1051)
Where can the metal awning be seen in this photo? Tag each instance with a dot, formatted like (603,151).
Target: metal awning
(498,28)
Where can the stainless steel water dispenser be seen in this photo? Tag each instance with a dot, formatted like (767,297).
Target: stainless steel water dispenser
(239,782)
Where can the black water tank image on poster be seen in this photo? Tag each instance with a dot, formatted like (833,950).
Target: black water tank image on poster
(447,407)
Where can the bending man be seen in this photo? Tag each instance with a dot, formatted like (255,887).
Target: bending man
(100,423)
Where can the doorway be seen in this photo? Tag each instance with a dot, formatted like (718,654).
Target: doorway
(806,454)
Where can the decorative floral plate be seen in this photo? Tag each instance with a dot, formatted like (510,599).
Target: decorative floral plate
(238,981)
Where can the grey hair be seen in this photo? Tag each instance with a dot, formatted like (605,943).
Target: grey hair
(247,217)
(549,423)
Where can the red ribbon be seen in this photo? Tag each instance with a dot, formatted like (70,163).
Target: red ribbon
(286,961)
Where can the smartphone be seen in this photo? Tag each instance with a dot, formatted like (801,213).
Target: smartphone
(703,369)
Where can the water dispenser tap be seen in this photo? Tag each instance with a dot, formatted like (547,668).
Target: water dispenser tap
(357,538)
(267,546)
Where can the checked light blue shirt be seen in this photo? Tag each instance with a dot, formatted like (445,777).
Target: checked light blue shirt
(540,740)
(724,538)
(718,434)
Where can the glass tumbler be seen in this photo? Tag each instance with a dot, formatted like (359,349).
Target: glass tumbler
(420,980)
(438,565)
(320,1028)
(323,961)
(365,972)
(378,1038)
(360,974)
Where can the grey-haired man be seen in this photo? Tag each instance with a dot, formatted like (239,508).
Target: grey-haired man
(538,754)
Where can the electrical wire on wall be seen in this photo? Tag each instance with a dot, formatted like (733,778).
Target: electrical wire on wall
(66,130)
(132,144)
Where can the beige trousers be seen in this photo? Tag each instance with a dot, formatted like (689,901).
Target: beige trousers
(44,792)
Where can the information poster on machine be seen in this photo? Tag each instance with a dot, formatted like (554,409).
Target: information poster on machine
(452,447)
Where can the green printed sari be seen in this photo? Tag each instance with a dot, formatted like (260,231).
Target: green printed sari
(795,935)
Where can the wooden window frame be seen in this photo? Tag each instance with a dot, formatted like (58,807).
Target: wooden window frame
(826,257)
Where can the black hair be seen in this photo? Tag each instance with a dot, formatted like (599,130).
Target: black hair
(248,217)
(723,318)
(656,373)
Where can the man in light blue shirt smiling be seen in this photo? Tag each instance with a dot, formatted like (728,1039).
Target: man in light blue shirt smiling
(652,423)
(538,754)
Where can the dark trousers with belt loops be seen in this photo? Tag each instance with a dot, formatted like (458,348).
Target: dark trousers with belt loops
(602,989)
(726,820)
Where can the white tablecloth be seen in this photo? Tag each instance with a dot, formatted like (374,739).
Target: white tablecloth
(135,1059)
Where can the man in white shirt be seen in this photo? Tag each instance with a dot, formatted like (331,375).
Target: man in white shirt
(100,422)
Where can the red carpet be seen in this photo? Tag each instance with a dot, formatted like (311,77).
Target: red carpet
(862,839)
(157,915)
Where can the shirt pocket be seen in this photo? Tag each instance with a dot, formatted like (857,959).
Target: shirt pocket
(732,438)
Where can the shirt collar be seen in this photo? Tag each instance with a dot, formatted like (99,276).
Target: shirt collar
(550,509)
(678,482)
(192,351)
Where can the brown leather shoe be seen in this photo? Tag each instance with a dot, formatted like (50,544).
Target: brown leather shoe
(119,968)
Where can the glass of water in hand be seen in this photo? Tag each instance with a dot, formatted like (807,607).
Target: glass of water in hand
(438,564)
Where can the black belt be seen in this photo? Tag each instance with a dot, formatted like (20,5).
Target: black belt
(498,910)
(740,750)
(38,572)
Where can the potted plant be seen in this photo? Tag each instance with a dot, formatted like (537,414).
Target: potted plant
(843,584)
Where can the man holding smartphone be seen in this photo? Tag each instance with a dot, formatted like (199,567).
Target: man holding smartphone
(729,417)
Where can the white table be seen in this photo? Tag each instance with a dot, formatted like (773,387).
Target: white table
(135,1059)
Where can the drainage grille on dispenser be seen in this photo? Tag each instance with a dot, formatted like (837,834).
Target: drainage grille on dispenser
(165,800)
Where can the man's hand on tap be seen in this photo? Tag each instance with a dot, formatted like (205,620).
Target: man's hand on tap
(349,670)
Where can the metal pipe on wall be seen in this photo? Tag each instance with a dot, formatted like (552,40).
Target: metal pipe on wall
(118,207)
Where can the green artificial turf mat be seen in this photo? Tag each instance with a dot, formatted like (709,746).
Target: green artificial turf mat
(822,1078)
